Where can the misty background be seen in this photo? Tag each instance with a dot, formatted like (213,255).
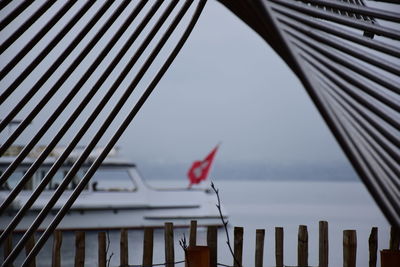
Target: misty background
(226,86)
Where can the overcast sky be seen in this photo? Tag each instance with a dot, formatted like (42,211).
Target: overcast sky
(226,85)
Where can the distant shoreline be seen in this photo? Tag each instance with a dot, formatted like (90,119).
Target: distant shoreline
(255,172)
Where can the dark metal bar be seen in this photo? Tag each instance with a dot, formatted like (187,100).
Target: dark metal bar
(10,169)
(360,84)
(336,43)
(60,189)
(116,136)
(358,9)
(364,165)
(15,13)
(28,23)
(340,32)
(388,179)
(351,150)
(395,2)
(4,3)
(364,102)
(252,13)
(387,188)
(382,129)
(50,93)
(18,217)
(357,68)
(315,64)
(99,107)
(376,143)
(10,65)
(366,122)
(7,92)
(376,29)
(55,167)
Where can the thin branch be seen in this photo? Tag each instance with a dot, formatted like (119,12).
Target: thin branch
(183,244)
(108,246)
(225,223)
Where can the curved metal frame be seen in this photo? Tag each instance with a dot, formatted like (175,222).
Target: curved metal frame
(345,53)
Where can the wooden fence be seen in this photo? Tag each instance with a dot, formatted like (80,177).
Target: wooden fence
(349,246)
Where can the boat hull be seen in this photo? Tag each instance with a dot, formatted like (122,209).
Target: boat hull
(115,219)
(115,210)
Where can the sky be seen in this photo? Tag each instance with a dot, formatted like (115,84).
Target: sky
(226,86)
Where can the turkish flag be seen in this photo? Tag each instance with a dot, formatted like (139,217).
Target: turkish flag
(200,168)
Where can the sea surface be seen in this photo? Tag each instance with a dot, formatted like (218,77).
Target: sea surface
(262,205)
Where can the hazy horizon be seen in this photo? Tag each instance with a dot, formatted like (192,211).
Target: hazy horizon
(227,85)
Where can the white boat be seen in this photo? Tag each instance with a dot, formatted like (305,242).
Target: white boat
(116,197)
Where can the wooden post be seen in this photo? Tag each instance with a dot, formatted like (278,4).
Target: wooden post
(259,253)
(238,246)
(394,239)
(169,244)
(28,247)
(373,246)
(148,247)
(302,246)
(212,243)
(79,249)
(123,244)
(279,246)
(349,248)
(193,233)
(8,246)
(323,244)
(57,241)
(102,249)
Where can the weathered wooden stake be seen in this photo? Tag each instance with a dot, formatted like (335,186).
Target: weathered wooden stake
(102,249)
(28,247)
(79,249)
(302,246)
(169,244)
(259,253)
(323,244)
(394,239)
(373,246)
(8,246)
(279,246)
(238,246)
(148,247)
(349,248)
(193,233)
(57,241)
(212,243)
(123,244)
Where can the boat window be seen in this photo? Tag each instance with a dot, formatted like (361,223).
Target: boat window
(54,182)
(75,181)
(13,180)
(112,180)
(58,178)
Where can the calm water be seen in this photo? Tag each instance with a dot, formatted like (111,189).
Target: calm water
(264,205)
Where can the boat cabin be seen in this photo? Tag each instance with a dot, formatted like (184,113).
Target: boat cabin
(111,176)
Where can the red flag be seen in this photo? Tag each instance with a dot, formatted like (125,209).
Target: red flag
(200,169)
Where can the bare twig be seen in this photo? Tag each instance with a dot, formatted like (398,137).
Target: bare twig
(225,223)
(108,246)
(183,244)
